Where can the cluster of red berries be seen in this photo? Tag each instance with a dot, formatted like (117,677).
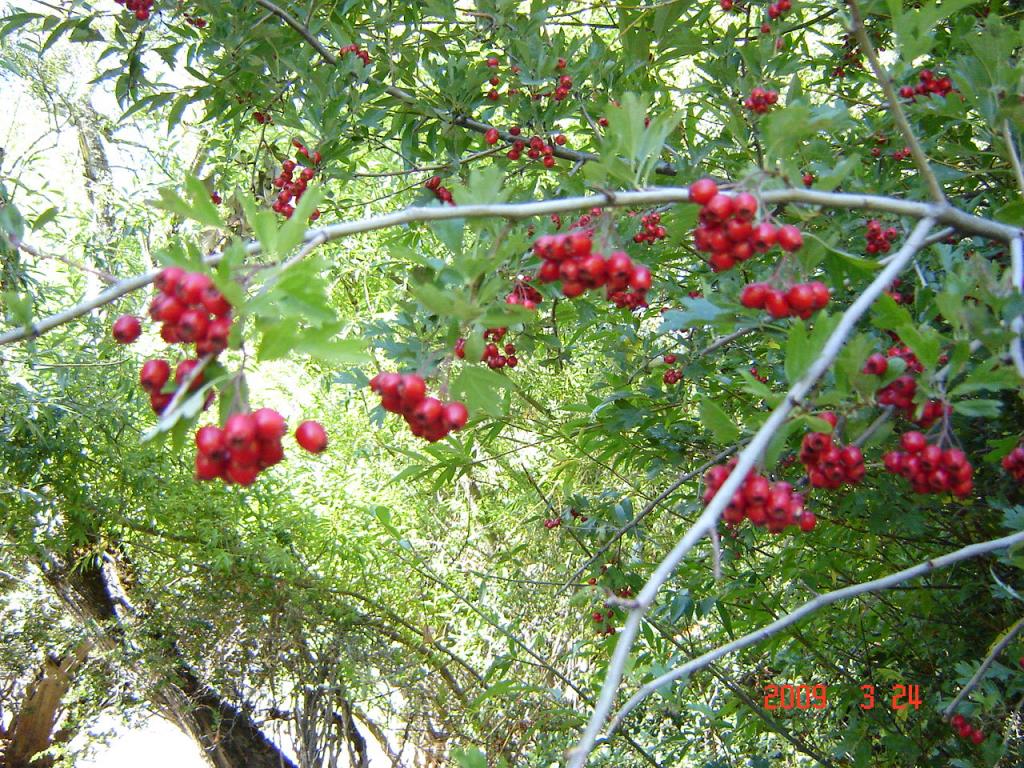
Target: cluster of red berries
(1013,462)
(651,230)
(900,392)
(929,468)
(828,465)
(538,148)
(361,53)
(799,300)
(192,311)
(248,443)
(672,375)
(440,191)
(896,295)
(492,355)
(569,257)
(760,99)
(776,9)
(523,294)
(600,618)
(851,56)
(294,189)
(141,8)
(427,417)
(929,85)
(495,81)
(756,374)
(552,523)
(901,154)
(879,240)
(966,731)
(195,21)
(262,118)
(726,229)
(762,502)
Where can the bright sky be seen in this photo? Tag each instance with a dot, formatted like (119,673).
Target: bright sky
(155,744)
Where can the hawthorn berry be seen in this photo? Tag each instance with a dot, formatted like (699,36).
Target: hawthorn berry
(126,329)
(154,375)
(311,436)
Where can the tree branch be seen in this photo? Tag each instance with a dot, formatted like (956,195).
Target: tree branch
(1006,639)
(638,199)
(1011,148)
(898,115)
(1017,326)
(811,606)
(746,460)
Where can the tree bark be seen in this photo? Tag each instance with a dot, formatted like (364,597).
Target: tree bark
(227,736)
(31,730)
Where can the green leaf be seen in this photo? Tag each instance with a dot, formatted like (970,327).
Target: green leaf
(722,426)
(44,218)
(333,350)
(450,232)
(263,223)
(694,312)
(479,388)
(293,231)
(978,408)
(507,314)
(203,209)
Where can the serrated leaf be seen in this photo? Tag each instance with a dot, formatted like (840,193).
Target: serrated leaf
(203,209)
(978,408)
(722,427)
(480,390)
(694,312)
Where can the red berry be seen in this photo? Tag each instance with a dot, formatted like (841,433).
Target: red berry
(210,441)
(746,206)
(702,191)
(191,288)
(126,329)
(977,736)
(168,279)
(455,415)
(876,364)
(209,468)
(312,436)
(800,297)
(214,302)
(720,207)
(913,442)
(789,238)
(754,295)
(776,304)
(269,424)
(154,375)
(239,430)
(491,137)
(184,370)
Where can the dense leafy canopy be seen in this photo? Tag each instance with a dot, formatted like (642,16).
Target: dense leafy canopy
(455,600)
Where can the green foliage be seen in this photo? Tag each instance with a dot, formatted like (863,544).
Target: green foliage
(462,576)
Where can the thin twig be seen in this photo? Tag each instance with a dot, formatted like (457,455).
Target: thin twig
(877,585)
(644,198)
(746,460)
(1017,326)
(999,647)
(1011,148)
(898,115)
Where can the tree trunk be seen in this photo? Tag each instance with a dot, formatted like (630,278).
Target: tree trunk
(227,736)
(31,730)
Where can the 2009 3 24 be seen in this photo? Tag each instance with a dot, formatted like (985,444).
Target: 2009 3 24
(804,697)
